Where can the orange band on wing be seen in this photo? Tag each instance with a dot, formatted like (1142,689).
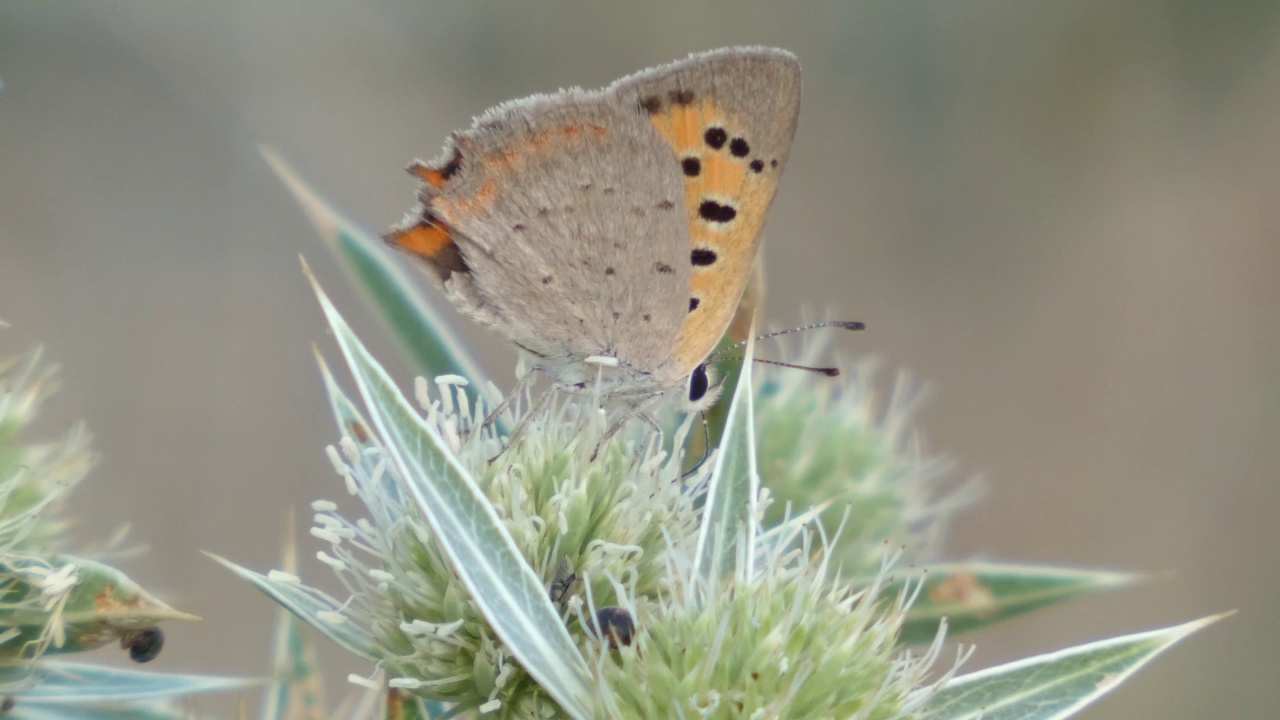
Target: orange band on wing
(727,197)
(455,209)
(429,241)
(434,178)
(424,240)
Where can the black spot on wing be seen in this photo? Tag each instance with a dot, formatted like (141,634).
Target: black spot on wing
(712,211)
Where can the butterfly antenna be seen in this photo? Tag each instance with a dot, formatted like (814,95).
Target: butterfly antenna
(828,371)
(842,324)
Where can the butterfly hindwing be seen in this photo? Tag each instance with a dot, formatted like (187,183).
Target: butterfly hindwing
(558,221)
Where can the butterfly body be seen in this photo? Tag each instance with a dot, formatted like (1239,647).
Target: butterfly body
(620,223)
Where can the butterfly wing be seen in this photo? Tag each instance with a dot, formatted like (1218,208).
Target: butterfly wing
(729,116)
(559,222)
(620,222)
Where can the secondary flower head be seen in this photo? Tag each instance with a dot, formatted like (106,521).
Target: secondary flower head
(829,442)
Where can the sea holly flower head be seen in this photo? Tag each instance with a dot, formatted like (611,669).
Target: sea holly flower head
(620,600)
(577,522)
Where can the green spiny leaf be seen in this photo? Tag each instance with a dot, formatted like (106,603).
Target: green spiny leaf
(398,300)
(974,595)
(480,549)
(96,605)
(297,688)
(62,684)
(1057,685)
(731,495)
(312,609)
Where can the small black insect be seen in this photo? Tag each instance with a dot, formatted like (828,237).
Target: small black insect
(143,645)
(616,624)
(560,588)
(563,582)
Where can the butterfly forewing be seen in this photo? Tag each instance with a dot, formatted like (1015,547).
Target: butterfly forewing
(729,116)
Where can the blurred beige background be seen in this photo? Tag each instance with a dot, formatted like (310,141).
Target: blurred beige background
(1064,216)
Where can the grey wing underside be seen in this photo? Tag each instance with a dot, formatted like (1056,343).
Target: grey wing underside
(568,211)
(560,221)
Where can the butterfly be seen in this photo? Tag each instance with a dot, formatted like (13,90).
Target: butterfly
(610,233)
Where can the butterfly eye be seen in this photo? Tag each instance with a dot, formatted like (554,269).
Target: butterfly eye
(698,383)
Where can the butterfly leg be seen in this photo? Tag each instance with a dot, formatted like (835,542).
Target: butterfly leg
(522,383)
(522,424)
(638,411)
